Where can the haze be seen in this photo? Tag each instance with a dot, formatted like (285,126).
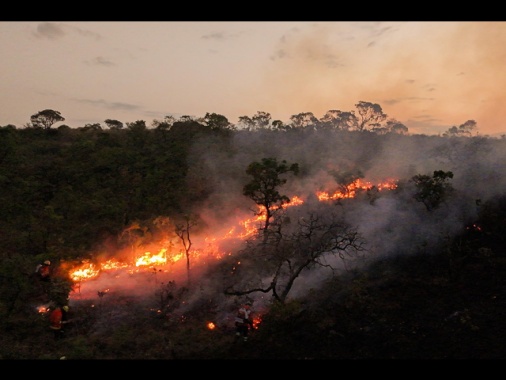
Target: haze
(430,76)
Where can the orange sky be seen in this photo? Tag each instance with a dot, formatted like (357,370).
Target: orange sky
(428,75)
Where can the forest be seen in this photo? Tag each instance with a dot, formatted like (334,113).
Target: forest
(350,237)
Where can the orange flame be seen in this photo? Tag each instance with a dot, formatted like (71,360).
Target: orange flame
(42,309)
(148,259)
(256,322)
(88,270)
(350,191)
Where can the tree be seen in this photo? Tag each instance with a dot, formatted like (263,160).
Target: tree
(182,230)
(113,124)
(263,188)
(279,125)
(371,115)
(335,119)
(304,120)
(216,121)
(93,127)
(432,191)
(186,119)
(465,129)
(261,119)
(291,249)
(346,179)
(391,126)
(138,133)
(246,123)
(45,119)
(164,124)
(134,236)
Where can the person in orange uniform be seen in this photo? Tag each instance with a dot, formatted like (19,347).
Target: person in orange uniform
(57,319)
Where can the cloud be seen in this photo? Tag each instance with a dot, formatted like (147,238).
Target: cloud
(53,31)
(110,105)
(49,30)
(100,61)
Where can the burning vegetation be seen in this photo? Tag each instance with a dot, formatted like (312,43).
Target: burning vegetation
(182,277)
(163,260)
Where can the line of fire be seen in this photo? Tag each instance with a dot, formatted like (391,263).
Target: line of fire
(167,260)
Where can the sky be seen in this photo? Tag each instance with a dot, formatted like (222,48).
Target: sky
(428,75)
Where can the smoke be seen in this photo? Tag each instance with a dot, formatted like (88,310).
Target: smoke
(410,68)
(393,223)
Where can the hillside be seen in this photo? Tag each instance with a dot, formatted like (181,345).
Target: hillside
(403,308)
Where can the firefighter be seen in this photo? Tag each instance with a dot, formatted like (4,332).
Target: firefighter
(43,273)
(57,319)
(243,321)
(43,270)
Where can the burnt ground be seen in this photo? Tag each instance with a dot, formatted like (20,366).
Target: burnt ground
(405,308)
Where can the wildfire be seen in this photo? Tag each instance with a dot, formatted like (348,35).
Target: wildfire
(88,270)
(148,259)
(350,191)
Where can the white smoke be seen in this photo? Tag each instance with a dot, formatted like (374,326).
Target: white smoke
(393,224)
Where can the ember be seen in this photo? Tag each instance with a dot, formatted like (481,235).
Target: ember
(43,309)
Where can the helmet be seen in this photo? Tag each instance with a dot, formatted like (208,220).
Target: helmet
(47,262)
(65,308)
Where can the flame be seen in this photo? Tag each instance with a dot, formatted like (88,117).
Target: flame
(350,191)
(256,322)
(88,270)
(211,326)
(148,259)
(43,309)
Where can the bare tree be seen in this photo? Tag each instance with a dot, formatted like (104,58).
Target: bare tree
(291,249)
(183,229)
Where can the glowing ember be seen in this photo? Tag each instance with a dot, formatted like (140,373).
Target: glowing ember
(42,309)
(256,322)
(211,326)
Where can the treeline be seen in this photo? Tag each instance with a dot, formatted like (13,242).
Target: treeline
(368,116)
